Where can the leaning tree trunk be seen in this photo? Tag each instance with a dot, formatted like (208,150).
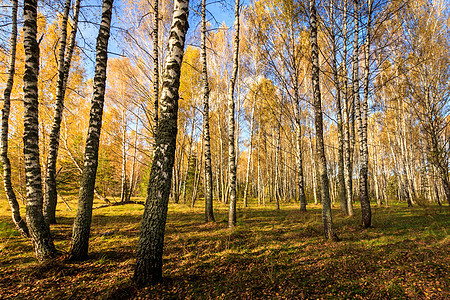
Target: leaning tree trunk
(151,240)
(341,180)
(64,61)
(364,150)
(10,195)
(231,122)
(50,195)
(39,230)
(320,147)
(209,213)
(82,222)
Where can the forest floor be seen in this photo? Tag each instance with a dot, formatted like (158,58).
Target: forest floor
(270,255)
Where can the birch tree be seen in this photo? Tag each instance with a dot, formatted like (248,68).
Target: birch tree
(82,222)
(155,37)
(318,121)
(39,230)
(10,194)
(231,121)
(151,240)
(348,168)
(64,62)
(209,214)
(364,150)
(338,93)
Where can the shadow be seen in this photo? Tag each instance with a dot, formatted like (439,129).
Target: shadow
(270,254)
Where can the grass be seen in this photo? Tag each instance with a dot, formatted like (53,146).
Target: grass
(271,255)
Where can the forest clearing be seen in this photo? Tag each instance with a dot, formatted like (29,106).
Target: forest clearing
(271,255)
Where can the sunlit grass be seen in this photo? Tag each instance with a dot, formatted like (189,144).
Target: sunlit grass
(270,254)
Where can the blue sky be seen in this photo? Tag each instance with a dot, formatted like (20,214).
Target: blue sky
(218,12)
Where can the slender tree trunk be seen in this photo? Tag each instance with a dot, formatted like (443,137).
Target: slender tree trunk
(320,147)
(249,159)
(209,213)
(356,107)
(364,151)
(313,170)
(64,62)
(39,230)
(231,122)
(348,170)
(299,157)
(191,141)
(198,174)
(341,180)
(133,164)
(259,189)
(277,163)
(151,240)
(155,37)
(82,222)
(10,195)
(123,190)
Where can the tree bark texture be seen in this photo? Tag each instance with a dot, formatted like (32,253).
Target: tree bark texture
(82,222)
(364,150)
(39,230)
(10,195)
(301,183)
(341,180)
(249,159)
(64,61)
(320,148)
(209,213)
(348,170)
(151,240)
(123,189)
(231,122)
(155,37)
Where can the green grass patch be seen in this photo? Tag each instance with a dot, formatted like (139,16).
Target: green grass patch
(271,254)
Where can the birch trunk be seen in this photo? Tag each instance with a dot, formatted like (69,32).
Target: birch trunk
(197,174)
(209,213)
(64,62)
(155,37)
(231,122)
(133,164)
(341,180)
(348,170)
(320,147)
(188,160)
(249,159)
(39,230)
(313,170)
(299,157)
(123,190)
(356,111)
(276,166)
(151,240)
(364,151)
(259,190)
(82,222)
(10,195)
